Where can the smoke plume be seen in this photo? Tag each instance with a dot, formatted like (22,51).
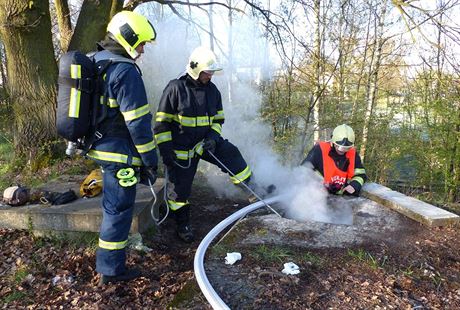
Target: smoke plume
(249,63)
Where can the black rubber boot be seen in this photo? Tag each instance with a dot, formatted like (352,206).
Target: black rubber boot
(184,229)
(128,275)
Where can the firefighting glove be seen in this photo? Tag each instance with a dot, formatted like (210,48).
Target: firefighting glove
(148,175)
(56,198)
(209,145)
(334,188)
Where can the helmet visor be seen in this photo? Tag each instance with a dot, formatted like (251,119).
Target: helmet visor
(342,148)
(209,72)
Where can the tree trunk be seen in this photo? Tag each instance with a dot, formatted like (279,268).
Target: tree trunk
(117,6)
(92,24)
(3,67)
(31,70)
(64,24)
(453,190)
(373,81)
(211,27)
(318,67)
(230,55)
(354,112)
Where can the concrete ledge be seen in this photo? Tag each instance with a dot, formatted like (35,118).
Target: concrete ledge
(413,208)
(79,215)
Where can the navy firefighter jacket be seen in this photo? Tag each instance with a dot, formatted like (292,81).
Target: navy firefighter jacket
(126,128)
(188,112)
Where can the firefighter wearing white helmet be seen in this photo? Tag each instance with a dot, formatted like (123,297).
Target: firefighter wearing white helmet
(338,162)
(188,128)
(125,146)
(202,59)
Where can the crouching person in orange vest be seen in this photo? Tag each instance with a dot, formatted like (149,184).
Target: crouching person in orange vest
(339,164)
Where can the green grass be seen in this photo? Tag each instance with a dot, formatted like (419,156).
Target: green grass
(220,250)
(186,294)
(367,258)
(307,257)
(261,232)
(273,254)
(6,158)
(20,274)
(408,272)
(14,170)
(71,241)
(13,296)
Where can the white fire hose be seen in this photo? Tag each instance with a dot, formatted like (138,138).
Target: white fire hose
(208,291)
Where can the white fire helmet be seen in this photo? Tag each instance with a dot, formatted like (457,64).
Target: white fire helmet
(343,137)
(202,59)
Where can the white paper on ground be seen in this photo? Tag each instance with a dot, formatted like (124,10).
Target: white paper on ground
(290,268)
(231,258)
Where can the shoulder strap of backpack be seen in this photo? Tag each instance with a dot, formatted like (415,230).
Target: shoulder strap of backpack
(100,109)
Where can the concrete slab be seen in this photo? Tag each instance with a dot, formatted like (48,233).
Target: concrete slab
(80,215)
(413,208)
(370,223)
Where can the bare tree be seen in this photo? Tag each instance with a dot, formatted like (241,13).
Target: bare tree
(372,84)
(64,23)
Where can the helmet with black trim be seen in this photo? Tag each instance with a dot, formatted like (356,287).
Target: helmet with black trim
(343,137)
(130,29)
(202,59)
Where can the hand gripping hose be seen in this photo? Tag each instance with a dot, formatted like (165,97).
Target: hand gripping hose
(244,184)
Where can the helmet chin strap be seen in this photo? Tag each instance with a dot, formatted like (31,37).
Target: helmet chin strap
(134,54)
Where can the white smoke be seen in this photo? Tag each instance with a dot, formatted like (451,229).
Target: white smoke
(305,197)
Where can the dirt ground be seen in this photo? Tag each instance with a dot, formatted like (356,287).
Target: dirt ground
(416,269)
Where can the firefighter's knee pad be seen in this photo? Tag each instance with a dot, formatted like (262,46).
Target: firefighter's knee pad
(126,177)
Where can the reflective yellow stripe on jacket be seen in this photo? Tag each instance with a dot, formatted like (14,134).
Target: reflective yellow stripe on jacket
(144,148)
(198,121)
(219,115)
(164,117)
(112,103)
(357,178)
(217,128)
(240,177)
(133,114)
(113,157)
(176,205)
(360,171)
(112,245)
(185,155)
(163,137)
(360,180)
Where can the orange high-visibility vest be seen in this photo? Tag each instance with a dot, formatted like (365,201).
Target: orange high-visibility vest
(331,173)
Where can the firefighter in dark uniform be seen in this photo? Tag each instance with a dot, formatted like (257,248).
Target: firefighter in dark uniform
(338,162)
(125,148)
(188,126)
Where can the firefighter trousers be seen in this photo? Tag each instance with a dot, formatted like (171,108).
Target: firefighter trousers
(117,214)
(182,178)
